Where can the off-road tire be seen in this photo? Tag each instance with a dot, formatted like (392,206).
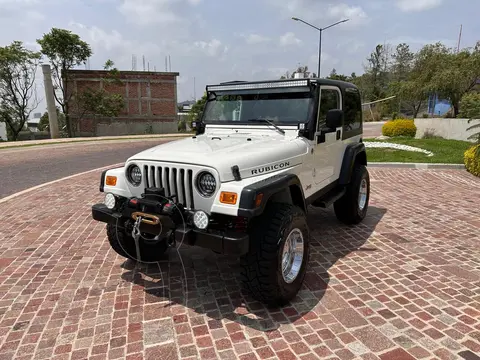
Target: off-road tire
(124,245)
(347,208)
(262,265)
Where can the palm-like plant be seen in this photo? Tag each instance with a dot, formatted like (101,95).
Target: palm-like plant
(475,136)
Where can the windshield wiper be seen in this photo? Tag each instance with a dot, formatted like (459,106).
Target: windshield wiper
(269,122)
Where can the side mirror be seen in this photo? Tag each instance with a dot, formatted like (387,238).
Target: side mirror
(334,118)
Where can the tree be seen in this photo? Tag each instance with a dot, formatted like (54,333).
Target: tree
(44,123)
(197,109)
(406,83)
(334,76)
(376,74)
(99,102)
(65,50)
(402,62)
(449,73)
(299,70)
(18,99)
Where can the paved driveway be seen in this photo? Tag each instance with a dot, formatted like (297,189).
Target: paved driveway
(22,168)
(403,285)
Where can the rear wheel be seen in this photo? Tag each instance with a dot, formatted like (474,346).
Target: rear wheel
(124,245)
(274,268)
(352,207)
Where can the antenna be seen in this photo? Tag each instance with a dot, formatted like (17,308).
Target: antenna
(166,66)
(143,56)
(459,39)
(148,66)
(155,68)
(169,64)
(194,93)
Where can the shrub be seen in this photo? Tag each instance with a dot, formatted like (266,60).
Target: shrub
(182,126)
(430,134)
(472,160)
(470,106)
(400,127)
(367,116)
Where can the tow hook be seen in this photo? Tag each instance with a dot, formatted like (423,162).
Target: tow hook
(171,239)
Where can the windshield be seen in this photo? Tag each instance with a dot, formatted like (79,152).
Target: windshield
(281,108)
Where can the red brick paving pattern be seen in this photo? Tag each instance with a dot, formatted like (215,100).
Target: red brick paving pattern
(403,285)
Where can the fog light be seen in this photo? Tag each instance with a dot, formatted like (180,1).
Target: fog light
(200,219)
(110,201)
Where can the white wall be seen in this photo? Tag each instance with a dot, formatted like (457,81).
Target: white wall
(452,129)
(3,131)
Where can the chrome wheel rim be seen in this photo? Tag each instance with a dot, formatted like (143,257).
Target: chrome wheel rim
(362,195)
(292,255)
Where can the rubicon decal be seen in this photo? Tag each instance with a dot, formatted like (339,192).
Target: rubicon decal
(269,168)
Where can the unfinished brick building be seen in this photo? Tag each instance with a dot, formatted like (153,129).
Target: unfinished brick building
(150,102)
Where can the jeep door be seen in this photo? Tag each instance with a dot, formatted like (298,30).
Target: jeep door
(328,151)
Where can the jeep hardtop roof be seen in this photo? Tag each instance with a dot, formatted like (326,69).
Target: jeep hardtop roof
(321,81)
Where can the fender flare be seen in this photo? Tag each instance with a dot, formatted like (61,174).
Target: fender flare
(268,188)
(353,153)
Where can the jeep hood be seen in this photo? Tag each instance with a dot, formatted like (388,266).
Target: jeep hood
(250,153)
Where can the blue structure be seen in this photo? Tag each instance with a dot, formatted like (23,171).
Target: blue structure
(438,106)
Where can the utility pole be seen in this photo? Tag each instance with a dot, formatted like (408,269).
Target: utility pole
(459,39)
(52,110)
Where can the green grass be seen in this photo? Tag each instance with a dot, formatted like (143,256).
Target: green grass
(445,151)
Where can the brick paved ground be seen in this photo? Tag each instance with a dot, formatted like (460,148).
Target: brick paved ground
(403,285)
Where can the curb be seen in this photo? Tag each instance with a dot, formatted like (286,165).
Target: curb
(422,166)
(30,143)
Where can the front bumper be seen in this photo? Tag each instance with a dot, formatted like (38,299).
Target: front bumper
(223,242)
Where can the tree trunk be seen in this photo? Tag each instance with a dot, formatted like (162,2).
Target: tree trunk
(67,121)
(416,109)
(456,109)
(14,132)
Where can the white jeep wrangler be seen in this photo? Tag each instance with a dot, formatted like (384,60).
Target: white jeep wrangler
(263,152)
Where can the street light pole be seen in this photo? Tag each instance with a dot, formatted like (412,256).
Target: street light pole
(320,30)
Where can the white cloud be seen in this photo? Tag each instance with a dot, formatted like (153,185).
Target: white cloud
(252,39)
(319,11)
(417,5)
(146,12)
(289,39)
(355,14)
(213,47)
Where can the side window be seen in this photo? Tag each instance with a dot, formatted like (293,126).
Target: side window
(353,110)
(329,99)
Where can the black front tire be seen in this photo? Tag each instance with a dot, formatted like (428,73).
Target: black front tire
(124,245)
(262,265)
(348,208)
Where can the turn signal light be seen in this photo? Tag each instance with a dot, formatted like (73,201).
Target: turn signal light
(258,200)
(228,198)
(111,180)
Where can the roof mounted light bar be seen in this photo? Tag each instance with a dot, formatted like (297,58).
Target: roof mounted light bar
(259,85)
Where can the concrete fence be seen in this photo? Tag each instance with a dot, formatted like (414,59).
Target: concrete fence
(452,129)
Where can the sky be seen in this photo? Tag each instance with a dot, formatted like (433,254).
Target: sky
(213,41)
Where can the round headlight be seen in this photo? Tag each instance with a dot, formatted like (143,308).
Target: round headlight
(110,201)
(134,175)
(206,184)
(200,219)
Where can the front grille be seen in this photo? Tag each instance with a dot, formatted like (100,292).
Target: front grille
(176,182)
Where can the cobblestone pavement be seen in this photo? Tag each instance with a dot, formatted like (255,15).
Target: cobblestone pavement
(403,285)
